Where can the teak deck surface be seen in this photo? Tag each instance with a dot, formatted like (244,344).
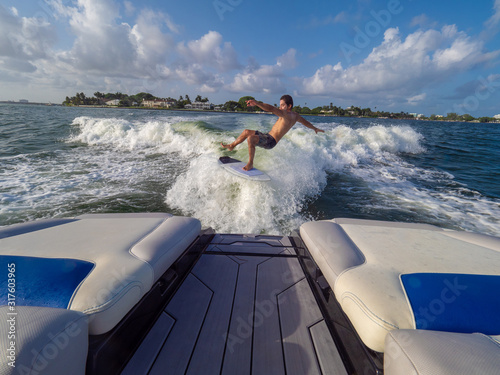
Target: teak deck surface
(245,308)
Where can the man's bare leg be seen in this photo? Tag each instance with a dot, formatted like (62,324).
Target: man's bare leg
(252,141)
(244,135)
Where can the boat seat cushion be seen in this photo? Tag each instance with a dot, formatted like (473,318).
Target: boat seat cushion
(47,341)
(129,252)
(417,352)
(330,247)
(49,282)
(454,302)
(371,293)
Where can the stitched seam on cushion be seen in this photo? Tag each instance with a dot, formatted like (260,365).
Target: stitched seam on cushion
(493,340)
(130,250)
(408,357)
(78,287)
(407,299)
(175,245)
(164,253)
(358,250)
(319,254)
(114,299)
(369,314)
(145,236)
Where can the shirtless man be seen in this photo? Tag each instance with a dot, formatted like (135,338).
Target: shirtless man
(287,119)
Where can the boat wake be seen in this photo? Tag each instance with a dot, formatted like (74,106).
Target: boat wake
(169,163)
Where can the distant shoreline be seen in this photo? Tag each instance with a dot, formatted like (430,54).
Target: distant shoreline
(31,103)
(233,112)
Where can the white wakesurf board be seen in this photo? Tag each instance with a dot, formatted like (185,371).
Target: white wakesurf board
(235,167)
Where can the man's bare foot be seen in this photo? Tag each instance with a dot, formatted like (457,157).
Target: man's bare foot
(229,147)
(248,167)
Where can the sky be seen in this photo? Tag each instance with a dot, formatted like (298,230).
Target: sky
(416,56)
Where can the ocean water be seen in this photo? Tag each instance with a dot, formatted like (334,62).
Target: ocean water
(59,162)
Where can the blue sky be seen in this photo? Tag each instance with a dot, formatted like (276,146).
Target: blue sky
(430,57)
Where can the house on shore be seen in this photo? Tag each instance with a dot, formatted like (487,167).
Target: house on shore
(112,102)
(199,105)
(158,103)
(417,115)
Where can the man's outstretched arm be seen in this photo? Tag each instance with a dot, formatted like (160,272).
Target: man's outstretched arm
(306,123)
(265,107)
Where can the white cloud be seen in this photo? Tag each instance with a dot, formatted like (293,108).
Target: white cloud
(109,53)
(23,42)
(193,74)
(287,60)
(200,62)
(419,20)
(265,78)
(414,100)
(129,8)
(24,38)
(328,20)
(401,67)
(422,21)
(105,53)
(495,19)
(106,47)
(210,50)
(151,44)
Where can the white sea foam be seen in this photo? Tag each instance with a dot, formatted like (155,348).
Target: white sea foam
(175,135)
(431,196)
(298,165)
(38,186)
(121,158)
(118,161)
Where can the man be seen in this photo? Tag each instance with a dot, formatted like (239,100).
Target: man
(287,119)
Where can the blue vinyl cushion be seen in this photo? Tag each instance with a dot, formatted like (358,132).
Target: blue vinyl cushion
(48,282)
(454,302)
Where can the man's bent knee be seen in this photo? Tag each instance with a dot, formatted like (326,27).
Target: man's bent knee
(253,140)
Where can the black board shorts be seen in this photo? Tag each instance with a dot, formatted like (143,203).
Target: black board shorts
(266,140)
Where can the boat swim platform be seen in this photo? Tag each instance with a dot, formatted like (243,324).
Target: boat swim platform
(245,307)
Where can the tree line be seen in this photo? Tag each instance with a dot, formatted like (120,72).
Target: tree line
(101,99)
(136,100)
(240,106)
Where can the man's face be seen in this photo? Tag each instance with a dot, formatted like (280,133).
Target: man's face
(283,105)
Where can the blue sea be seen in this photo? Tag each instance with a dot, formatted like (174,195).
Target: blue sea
(60,162)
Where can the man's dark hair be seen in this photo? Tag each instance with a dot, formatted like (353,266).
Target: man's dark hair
(288,100)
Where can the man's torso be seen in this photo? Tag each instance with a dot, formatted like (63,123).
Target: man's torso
(283,125)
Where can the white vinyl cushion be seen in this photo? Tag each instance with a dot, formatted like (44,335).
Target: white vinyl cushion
(46,341)
(370,292)
(417,352)
(130,252)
